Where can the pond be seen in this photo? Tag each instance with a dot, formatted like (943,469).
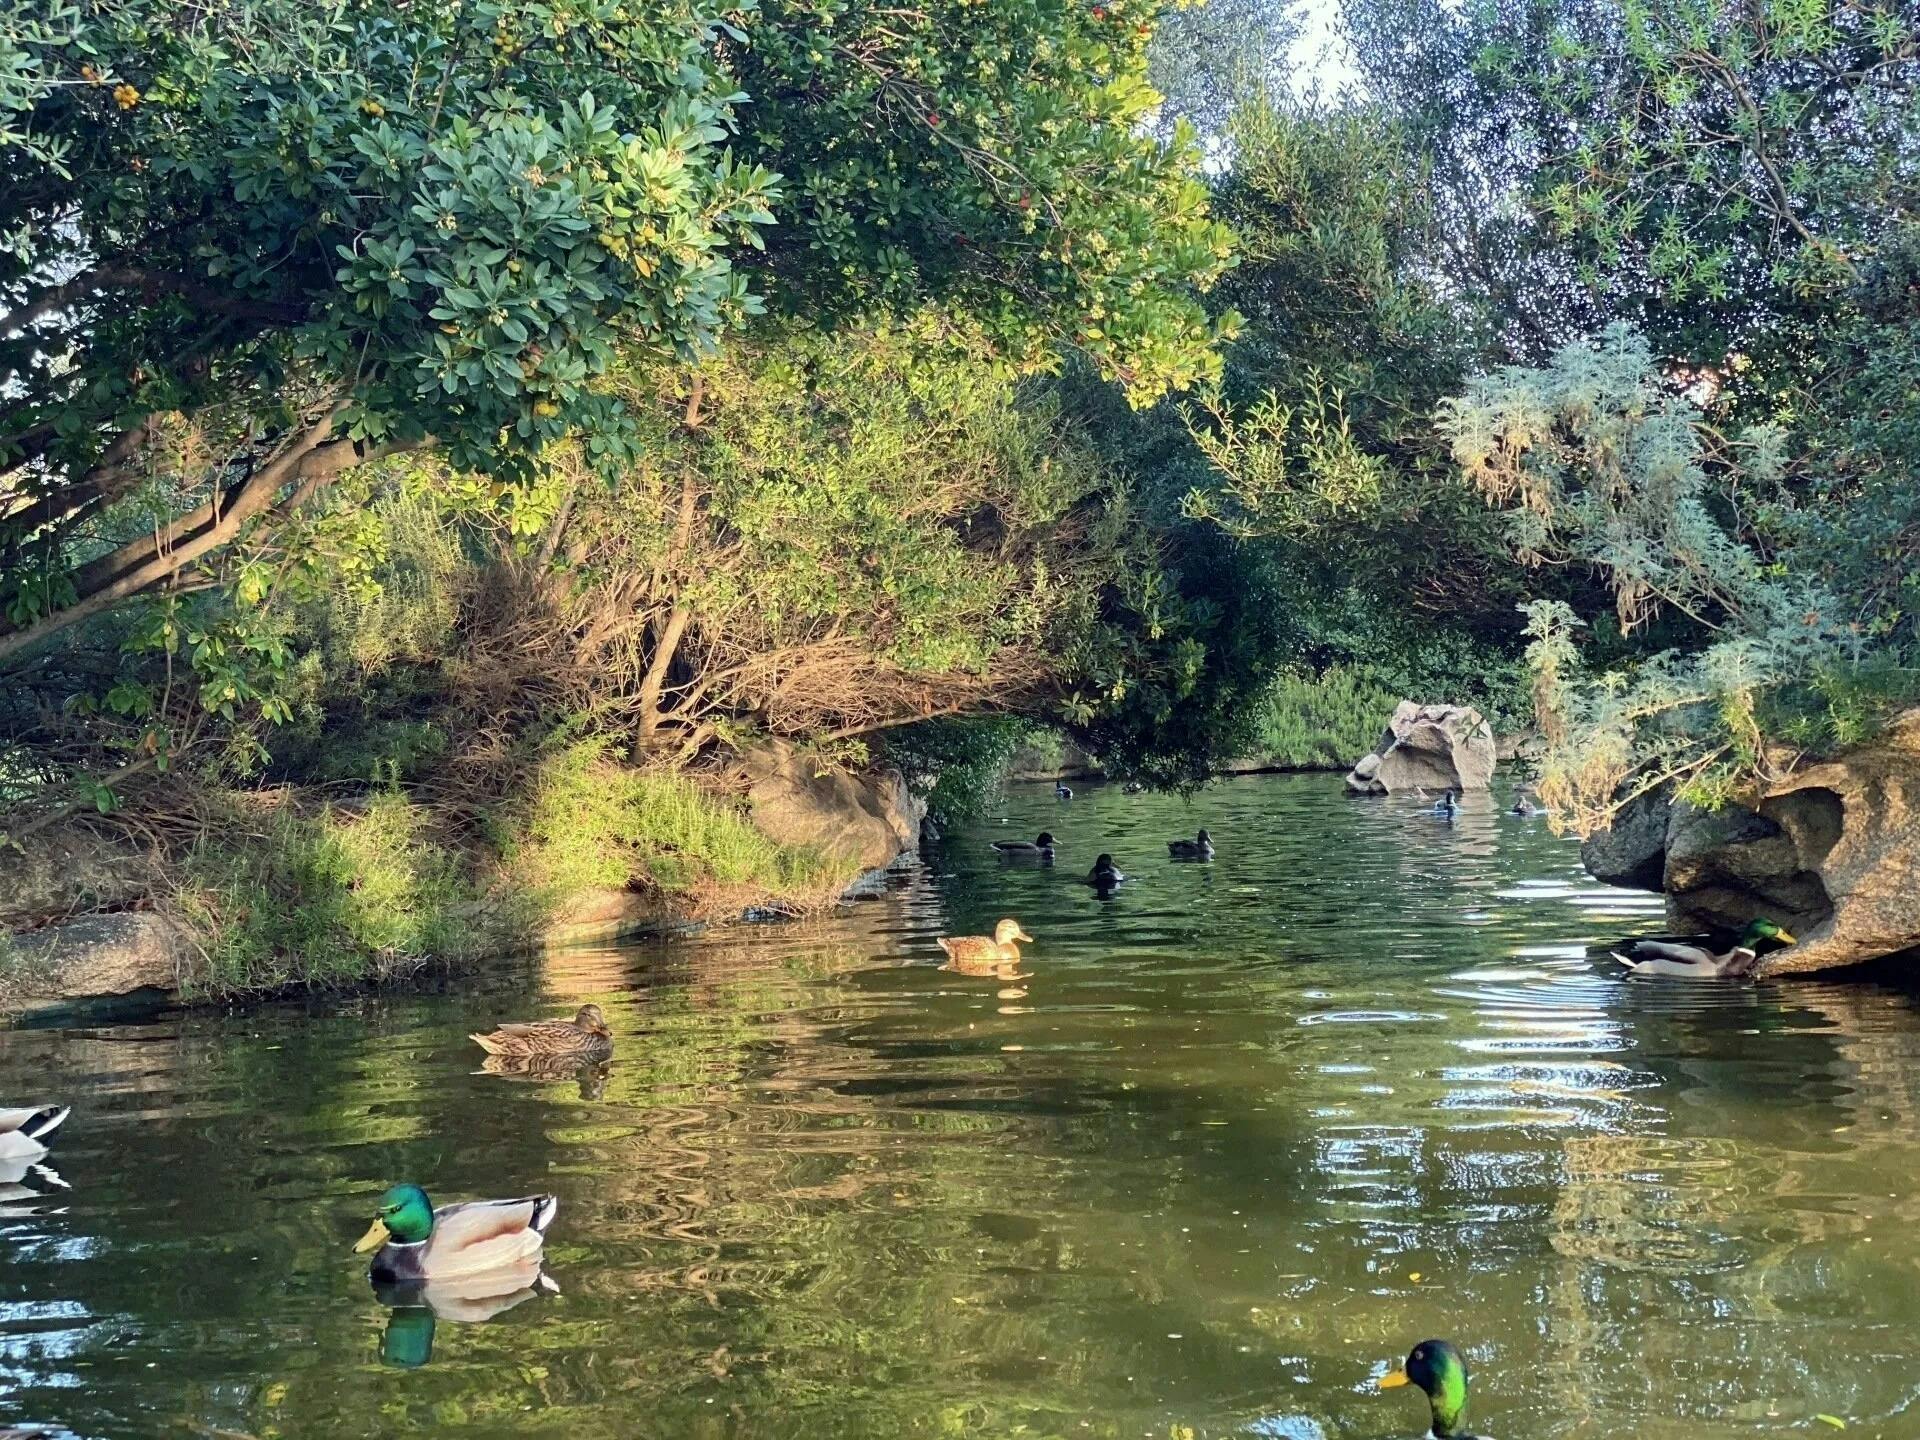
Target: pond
(1246,1131)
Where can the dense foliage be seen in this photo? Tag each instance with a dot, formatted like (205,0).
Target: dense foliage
(254,244)
(1589,328)
(1737,182)
(457,404)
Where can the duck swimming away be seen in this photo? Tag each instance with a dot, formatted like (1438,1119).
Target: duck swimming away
(1448,805)
(1062,791)
(1104,874)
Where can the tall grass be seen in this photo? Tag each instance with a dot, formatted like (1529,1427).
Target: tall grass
(328,899)
(591,822)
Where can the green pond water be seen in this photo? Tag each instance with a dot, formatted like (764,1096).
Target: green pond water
(1252,1129)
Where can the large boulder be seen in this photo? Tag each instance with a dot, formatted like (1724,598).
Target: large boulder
(1850,829)
(1427,747)
(68,871)
(1725,866)
(94,957)
(601,917)
(1633,850)
(868,820)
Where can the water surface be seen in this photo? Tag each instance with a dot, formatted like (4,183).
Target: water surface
(1247,1130)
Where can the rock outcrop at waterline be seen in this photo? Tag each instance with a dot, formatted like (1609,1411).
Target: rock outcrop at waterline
(1427,747)
(866,820)
(1832,852)
(95,957)
(83,919)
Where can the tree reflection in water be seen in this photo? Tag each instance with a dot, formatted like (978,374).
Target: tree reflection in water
(1187,1181)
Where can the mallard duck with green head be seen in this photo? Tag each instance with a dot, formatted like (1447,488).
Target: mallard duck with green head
(584,1037)
(1704,957)
(413,1243)
(1441,1371)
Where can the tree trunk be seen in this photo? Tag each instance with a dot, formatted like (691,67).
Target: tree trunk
(655,680)
(308,461)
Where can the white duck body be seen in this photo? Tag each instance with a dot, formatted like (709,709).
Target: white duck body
(23,1133)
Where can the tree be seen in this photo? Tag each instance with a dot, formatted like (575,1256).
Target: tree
(254,245)
(1599,460)
(833,536)
(1737,182)
(1207,57)
(1318,445)
(1459,83)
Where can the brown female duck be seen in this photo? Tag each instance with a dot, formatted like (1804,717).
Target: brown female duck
(585,1037)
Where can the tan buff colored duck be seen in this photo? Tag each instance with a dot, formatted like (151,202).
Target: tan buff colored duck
(986,954)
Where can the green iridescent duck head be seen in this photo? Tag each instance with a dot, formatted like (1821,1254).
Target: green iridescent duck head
(404,1215)
(1762,930)
(1440,1370)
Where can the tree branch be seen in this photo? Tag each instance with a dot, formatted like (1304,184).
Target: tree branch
(218,299)
(308,461)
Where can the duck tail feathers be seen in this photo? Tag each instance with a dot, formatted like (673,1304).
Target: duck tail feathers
(44,1122)
(1630,964)
(545,1207)
(488,1044)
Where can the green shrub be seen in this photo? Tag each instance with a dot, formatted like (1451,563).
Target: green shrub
(329,899)
(1328,721)
(383,750)
(956,765)
(1332,719)
(591,822)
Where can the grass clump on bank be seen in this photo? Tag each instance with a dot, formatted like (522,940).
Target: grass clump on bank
(592,823)
(342,895)
(332,898)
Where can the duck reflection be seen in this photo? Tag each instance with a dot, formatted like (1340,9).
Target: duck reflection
(417,1307)
(590,1076)
(25,1184)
